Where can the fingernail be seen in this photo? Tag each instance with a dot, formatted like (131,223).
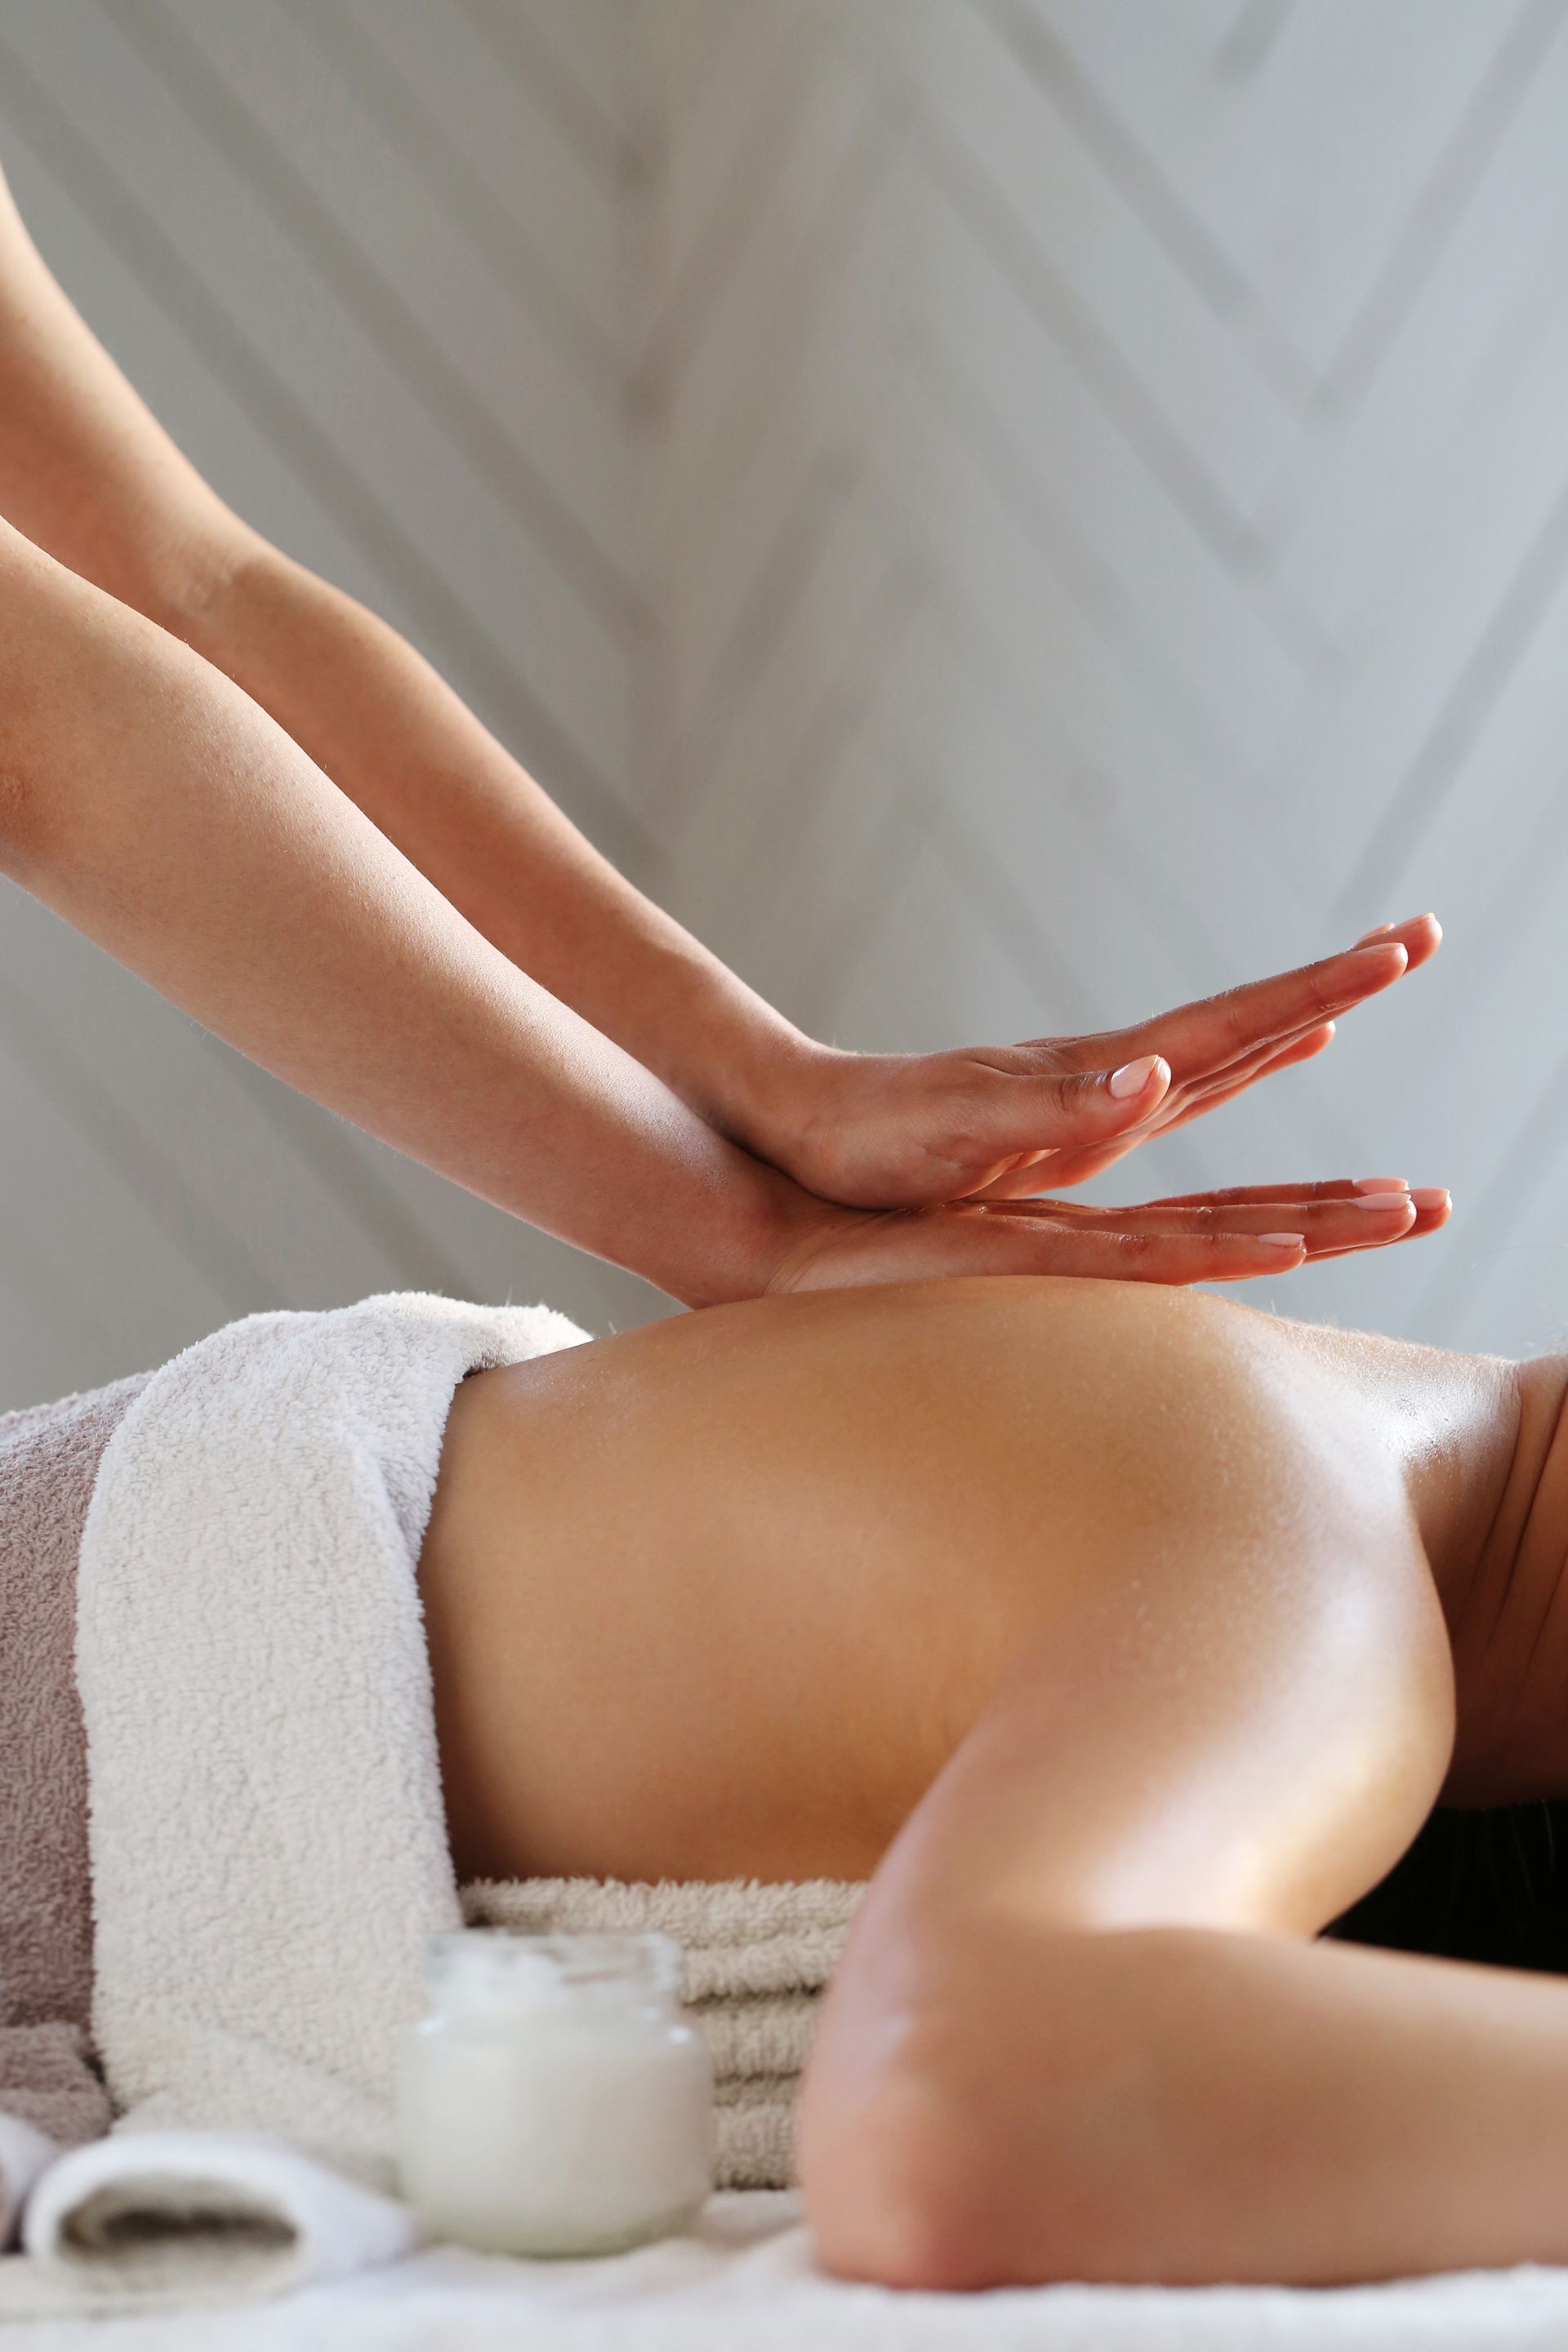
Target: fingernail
(1378,948)
(1381,1184)
(1133,1076)
(1430,1196)
(1377,932)
(1284,1241)
(1383,1201)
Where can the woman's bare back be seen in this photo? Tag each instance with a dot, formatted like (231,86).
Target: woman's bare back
(723,1596)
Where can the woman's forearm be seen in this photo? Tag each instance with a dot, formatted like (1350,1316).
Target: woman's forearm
(158,809)
(388,730)
(1188,2106)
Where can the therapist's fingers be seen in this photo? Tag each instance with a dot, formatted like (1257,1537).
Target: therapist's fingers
(1421,936)
(1225,1082)
(1433,1206)
(1197,1040)
(1196,1101)
(1216,1032)
(1075,1164)
(961,1237)
(1212,1050)
(1327,1225)
(1202,1240)
(1052,1170)
(1328,1188)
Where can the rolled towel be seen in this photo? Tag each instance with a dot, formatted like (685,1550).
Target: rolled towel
(25,2153)
(161,2220)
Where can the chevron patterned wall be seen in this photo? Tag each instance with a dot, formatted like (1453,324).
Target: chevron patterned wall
(1108,486)
(1008,513)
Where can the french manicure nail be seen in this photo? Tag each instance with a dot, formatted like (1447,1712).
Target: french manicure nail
(1379,1185)
(1133,1076)
(1382,1200)
(1430,1196)
(1284,1241)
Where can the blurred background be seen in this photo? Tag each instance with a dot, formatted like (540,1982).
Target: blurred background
(1005,514)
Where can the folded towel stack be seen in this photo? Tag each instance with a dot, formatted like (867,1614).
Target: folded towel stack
(758,1958)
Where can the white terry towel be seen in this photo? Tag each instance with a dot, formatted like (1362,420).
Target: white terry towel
(267,1835)
(24,2154)
(164,2220)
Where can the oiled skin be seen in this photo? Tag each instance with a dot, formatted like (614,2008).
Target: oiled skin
(1112,1633)
(722,1595)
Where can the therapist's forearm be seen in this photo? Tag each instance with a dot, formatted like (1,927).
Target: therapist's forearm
(387,729)
(155,806)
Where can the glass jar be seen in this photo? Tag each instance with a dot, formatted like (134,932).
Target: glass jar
(557,2099)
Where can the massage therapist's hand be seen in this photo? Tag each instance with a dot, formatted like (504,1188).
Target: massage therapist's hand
(1005,1122)
(1199,1237)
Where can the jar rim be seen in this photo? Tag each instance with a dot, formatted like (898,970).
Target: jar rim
(499,1960)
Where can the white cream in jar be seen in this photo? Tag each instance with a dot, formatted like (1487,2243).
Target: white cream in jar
(556,2099)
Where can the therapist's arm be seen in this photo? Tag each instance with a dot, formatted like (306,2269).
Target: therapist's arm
(153,806)
(156,807)
(88,475)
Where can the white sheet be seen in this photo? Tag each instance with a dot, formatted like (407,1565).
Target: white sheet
(744,2284)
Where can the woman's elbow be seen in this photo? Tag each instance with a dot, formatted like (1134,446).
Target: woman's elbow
(908,2192)
(887,2202)
(1075,2132)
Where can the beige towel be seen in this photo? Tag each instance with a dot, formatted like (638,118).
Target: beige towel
(758,1960)
(48,1460)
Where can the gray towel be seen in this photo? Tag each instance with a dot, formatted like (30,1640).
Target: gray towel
(48,1460)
